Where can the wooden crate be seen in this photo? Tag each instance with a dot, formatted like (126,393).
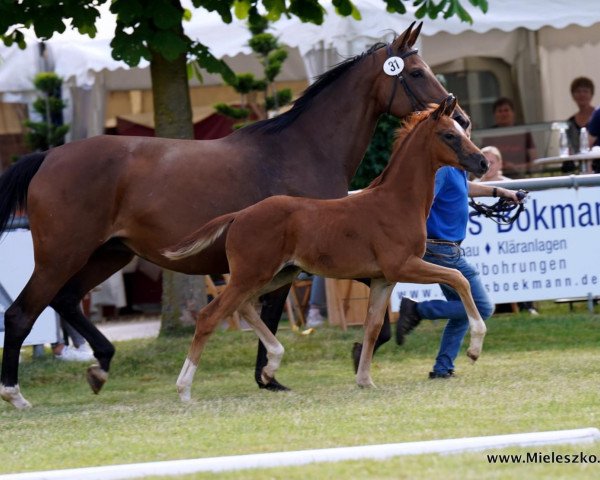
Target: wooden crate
(347,303)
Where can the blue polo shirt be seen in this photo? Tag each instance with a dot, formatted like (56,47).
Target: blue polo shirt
(450,210)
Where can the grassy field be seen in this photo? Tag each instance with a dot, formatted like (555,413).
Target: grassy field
(536,374)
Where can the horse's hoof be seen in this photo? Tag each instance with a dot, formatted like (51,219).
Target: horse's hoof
(13,396)
(96,377)
(356,351)
(272,385)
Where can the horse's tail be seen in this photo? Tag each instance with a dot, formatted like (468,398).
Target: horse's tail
(201,239)
(14,184)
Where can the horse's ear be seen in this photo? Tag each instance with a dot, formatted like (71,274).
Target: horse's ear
(403,40)
(441,108)
(414,35)
(450,105)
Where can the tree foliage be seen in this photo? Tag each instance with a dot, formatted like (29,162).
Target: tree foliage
(49,131)
(378,154)
(271,56)
(147,26)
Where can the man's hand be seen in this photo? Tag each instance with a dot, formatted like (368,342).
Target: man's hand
(509,194)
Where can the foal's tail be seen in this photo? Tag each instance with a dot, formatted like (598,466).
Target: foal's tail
(201,239)
(14,184)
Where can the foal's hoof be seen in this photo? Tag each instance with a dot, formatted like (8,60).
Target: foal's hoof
(272,385)
(185,393)
(473,356)
(96,377)
(13,396)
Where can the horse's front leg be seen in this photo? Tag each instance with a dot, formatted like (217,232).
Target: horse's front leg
(378,300)
(417,270)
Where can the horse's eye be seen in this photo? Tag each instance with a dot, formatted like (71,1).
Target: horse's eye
(448,136)
(416,74)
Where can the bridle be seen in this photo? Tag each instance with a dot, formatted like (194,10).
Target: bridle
(500,212)
(414,101)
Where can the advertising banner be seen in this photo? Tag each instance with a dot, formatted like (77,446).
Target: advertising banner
(16,266)
(552,251)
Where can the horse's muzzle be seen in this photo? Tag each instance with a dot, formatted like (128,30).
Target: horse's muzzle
(484,165)
(476,163)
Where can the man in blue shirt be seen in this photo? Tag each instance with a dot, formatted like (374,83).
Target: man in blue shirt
(446,229)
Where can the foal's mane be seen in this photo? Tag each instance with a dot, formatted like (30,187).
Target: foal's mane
(302,104)
(402,135)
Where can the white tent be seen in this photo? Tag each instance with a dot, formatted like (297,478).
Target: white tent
(546,42)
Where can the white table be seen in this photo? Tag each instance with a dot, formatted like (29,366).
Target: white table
(584,159)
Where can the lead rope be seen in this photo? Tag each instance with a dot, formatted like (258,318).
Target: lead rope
(501,211)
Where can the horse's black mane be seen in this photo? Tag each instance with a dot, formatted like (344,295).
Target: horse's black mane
(279,123)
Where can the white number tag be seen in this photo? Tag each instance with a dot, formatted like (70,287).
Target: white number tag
(393,66)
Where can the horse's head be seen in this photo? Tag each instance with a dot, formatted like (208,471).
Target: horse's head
(451,144)
(406,83)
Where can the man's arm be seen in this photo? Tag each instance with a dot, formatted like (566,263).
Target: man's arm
(480,190)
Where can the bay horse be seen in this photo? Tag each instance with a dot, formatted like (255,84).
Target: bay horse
(93,204)
(378,233)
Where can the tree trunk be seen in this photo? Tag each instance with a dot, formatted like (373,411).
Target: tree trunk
(183,295)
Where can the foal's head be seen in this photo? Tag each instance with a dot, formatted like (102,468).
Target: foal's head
(446,140)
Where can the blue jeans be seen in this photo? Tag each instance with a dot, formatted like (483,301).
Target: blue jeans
(452,308)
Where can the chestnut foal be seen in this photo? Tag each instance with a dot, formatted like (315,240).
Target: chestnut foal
(378,233)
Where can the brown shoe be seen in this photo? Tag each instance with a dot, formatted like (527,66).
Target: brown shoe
(408,319)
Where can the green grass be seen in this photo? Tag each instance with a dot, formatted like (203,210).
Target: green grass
(536,374)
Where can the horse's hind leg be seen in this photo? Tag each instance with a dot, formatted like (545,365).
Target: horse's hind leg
(108,259)
(378,300)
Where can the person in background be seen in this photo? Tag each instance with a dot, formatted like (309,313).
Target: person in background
(494,158)
(78,352)
(518,149)
(317,302)
(582,92)
(594,131)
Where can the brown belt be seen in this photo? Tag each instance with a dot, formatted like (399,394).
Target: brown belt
(443,242)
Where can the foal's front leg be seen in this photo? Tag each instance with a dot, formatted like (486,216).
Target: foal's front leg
(417,270)
(378,300)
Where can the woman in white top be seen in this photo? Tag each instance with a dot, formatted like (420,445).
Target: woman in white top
(494,157)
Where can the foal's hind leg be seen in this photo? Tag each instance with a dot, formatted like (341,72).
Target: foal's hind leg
(274,348)
(104,262)
(378,300)
(272,308)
